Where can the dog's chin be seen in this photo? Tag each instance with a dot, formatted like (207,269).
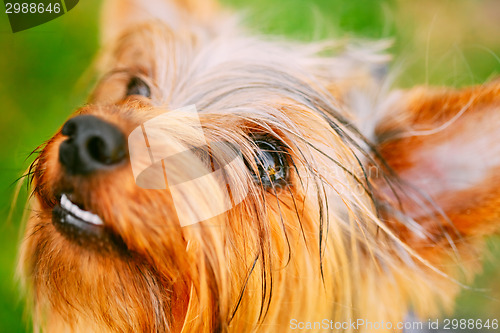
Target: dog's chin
(86,273)
(83,227)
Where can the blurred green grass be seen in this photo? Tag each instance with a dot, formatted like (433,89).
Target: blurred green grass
(443,43)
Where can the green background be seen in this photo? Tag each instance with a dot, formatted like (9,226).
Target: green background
(44,77)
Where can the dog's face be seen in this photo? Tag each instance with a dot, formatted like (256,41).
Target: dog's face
(323,210)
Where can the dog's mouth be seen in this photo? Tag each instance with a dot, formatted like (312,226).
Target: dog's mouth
(83,227)
(74,215)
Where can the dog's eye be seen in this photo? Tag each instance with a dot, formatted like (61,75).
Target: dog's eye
(271,162)
(136,86)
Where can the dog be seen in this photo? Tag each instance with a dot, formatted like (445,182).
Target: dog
(335,196)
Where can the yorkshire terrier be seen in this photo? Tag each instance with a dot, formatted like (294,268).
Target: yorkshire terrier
(219,182)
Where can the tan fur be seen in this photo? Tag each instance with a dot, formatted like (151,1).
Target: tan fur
(354,234)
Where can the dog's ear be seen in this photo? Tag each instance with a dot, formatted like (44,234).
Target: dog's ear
(445,145)
(120,15)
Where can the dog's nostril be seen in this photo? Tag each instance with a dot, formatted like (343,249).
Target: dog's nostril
(97,149)
(93,144)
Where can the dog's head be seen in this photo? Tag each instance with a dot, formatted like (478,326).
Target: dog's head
(295,188)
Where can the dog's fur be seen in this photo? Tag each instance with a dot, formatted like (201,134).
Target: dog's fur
(389,198)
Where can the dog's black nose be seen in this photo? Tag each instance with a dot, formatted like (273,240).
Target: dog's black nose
(93,145)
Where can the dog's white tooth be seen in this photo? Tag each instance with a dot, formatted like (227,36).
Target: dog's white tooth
(74,209)
(84,216)
(97,220)
(89,217)
(78,212)
(68,204)
(64,201)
